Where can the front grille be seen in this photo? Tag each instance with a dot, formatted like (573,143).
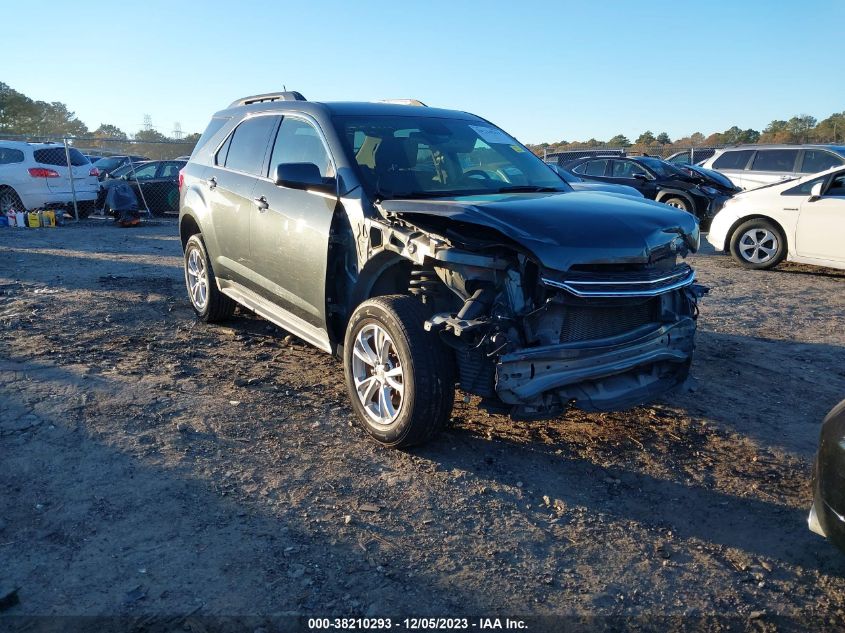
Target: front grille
(645,282)
(585,323)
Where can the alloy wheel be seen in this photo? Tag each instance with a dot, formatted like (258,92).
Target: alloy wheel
(197,279)
(758,245)
(378,374)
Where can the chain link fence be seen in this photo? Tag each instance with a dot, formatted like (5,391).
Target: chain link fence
(78,176)
(674,154)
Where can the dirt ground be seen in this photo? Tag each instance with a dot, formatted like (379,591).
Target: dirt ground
(152,465)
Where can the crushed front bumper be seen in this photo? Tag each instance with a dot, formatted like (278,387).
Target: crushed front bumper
(612,373)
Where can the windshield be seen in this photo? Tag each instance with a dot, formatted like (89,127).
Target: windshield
(107,164)
(413,156)
(125,169)
(661,167)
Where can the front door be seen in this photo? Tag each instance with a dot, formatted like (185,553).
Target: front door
(290,228)
(631,173)
(821,224)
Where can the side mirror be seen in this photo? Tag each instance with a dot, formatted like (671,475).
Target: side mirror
(816,191)
(642,177)
(303,176)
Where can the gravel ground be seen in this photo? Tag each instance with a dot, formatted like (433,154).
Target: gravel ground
(151,465)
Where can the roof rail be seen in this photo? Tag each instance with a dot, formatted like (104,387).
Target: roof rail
(411,102)
(290,95)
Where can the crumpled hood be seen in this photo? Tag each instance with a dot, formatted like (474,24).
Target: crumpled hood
(566,228)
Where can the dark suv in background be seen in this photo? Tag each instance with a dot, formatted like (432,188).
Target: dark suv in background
(658,180)
(428,247)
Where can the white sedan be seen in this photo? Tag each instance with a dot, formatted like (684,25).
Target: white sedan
(801,220)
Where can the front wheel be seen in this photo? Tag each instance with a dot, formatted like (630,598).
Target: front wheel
(758,244)
(678,203)
(400,378)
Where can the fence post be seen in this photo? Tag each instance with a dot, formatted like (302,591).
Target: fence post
(72,185)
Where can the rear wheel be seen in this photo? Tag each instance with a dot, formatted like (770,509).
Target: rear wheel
(10,200)
(758,244)
(400,378)
(206,299)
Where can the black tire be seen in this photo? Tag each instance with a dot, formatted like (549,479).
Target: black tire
(9,199)
(767,235)
(678,202)
(217,306)
(427,366)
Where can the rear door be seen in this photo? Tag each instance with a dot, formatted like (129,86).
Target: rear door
(230,181)
(290,227)
(771,165)
(732,163)
(821,223)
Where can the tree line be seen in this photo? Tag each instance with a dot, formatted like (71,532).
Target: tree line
(802,128)
(33,120)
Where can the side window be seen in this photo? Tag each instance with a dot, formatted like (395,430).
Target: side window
(626,169)
(143,172)
(837,187)
(782,160)
(220,156)
(733,160)
(594,168)
(816,160)
(249,143)
(169,170)
(9,155)
(298,142)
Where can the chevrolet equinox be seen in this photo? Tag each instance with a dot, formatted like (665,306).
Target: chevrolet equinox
(429,249)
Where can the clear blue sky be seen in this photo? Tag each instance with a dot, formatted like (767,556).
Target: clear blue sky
(545,71)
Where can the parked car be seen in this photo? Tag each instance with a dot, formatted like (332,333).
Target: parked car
(428,247)
(155,183)
(108,164)
(655,179)
(36,175)
(801,220)
(751,166)
(827,514)
(579,184)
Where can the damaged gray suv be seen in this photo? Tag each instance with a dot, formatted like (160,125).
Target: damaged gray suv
(429,249)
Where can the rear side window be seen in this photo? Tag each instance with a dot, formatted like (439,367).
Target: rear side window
(733,160)
(775,160)
(591,168)
(9,155)
(249,143)
(818,160)
(212,129)
(56,156)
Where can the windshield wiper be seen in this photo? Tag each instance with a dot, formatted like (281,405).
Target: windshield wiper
(526,189)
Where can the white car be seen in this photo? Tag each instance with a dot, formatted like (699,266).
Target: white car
(35,175)
(751,166)
(802,220)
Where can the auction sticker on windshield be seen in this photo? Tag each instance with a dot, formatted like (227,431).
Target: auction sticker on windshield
(492,135)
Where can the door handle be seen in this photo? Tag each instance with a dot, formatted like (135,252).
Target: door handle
(261,203)
(211,182)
